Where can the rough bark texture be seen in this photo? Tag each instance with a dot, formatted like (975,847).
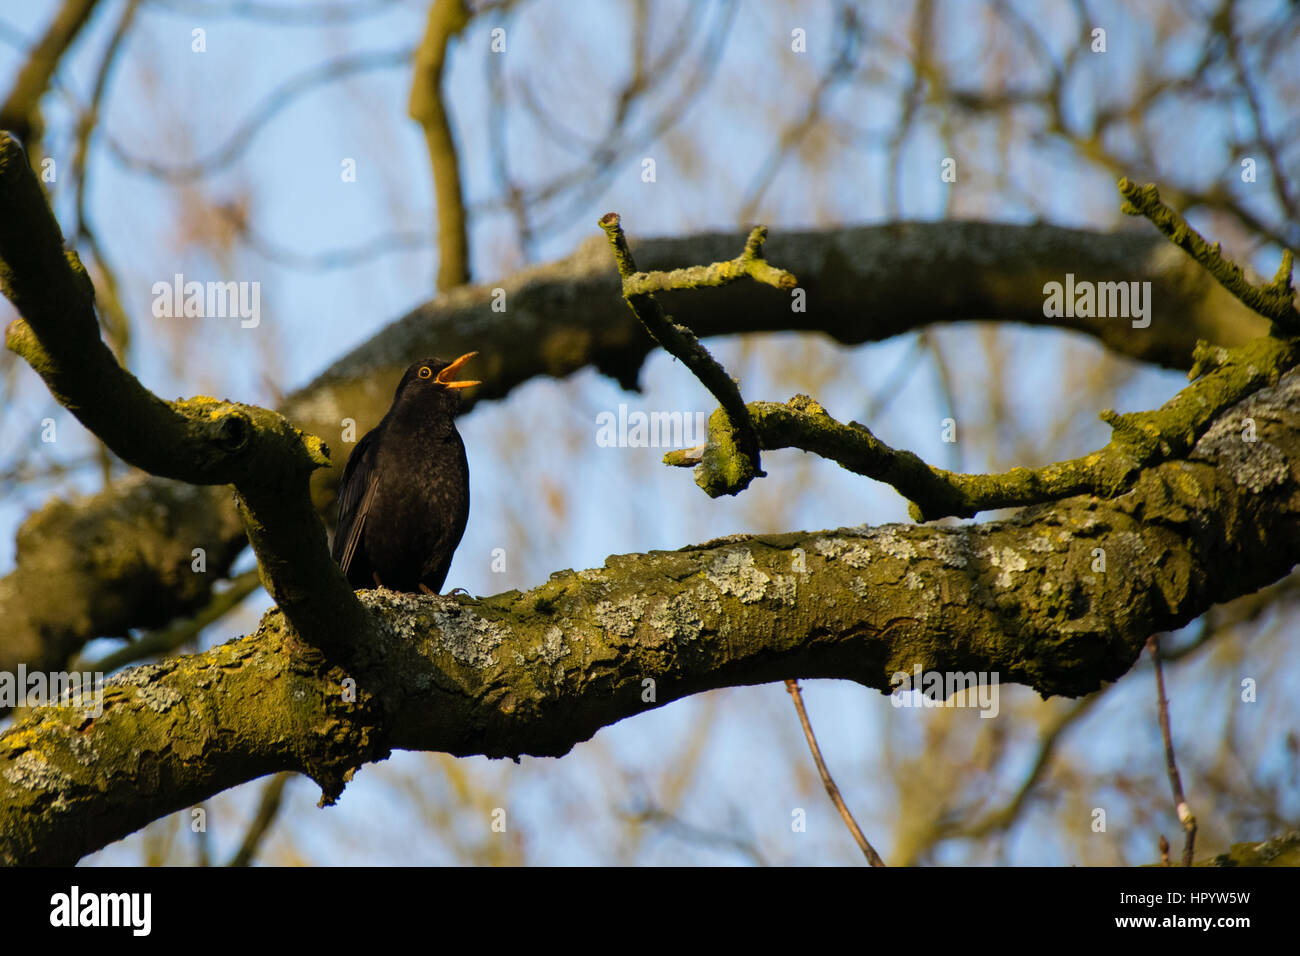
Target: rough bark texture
(862,284)
(537,672)
(200,441)
(120,559)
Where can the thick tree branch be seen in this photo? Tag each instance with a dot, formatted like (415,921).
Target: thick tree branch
(863,284)
(121,559)
(201,441)
(539,671)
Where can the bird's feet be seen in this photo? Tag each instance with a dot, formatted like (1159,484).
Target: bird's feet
(424,588)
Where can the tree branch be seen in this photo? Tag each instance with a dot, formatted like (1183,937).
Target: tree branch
(1275,301)
(1139,440)
(537,672)
(200,441)
(828,782)
(447,18)
(267,808)
(863,284)
(20,111)
(1186,819)
(270,106)
(733,461)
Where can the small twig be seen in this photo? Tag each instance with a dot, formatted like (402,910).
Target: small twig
(850,42)
(575,190)
(930,342)
(266,813)
(1276,165)
(1185,815)
(283,15)
(202,844)
(749,263)
(832,791)
(340,257)
(509,188)
(1273,301)
(729,465)
(116,324)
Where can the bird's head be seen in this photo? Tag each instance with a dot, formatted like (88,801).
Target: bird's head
(434,379)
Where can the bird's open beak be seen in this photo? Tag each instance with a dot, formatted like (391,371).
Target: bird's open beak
(447,377)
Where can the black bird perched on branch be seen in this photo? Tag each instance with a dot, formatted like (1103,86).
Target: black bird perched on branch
(404,498)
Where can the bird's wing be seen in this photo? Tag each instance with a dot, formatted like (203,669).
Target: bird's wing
(356,495)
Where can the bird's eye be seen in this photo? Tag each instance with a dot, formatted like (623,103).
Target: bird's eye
(425,371)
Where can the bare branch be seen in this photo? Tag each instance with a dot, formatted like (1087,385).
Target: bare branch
(315,14)
(828,782)
(1274,301)
(274,102)
(20,111)
(734,460)
(1139,440)
(1185,816)
(447,18)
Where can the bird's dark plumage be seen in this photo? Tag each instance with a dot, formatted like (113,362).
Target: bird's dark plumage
(404,498)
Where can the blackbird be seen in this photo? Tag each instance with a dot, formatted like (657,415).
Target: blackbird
(404,498)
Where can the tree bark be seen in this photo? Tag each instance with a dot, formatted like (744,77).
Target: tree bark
(861,284)
(539,671)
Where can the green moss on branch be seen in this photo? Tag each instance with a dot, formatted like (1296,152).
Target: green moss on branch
(734,461)
(1274,301)
(1140,440)
(201,440)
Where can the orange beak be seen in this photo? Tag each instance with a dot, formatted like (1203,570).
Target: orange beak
(447,377)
